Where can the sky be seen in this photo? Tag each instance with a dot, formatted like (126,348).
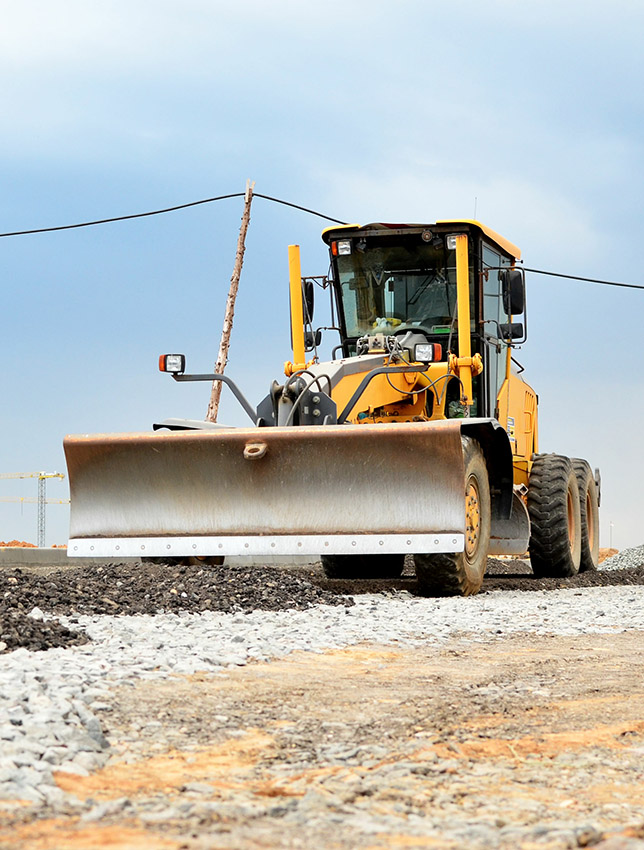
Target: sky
(529,116)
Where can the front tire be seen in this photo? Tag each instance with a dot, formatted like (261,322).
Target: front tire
(461,573)
(555,517)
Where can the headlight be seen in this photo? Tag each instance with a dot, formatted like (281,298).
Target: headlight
(175,363)
(344,247)
(427,352)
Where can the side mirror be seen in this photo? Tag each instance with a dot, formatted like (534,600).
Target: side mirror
(512,331)
(308,300)
(312,339)
(513,291)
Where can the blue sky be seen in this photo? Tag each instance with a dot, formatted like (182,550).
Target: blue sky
(531,113)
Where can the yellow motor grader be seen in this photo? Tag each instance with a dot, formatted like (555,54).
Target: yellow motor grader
(418,437)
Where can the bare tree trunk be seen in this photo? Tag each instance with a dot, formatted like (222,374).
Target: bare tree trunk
(224,345)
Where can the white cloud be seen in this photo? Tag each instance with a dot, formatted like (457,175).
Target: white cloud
(529,215)
(154,36)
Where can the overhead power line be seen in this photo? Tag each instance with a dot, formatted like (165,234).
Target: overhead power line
(298,207)
(274,201)
(166,210)
(586,279)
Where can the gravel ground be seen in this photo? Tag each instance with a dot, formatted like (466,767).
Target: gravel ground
(185,621)
(141,589)
(151,589)
(625,560)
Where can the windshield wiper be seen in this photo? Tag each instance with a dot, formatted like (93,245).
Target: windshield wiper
(436,277)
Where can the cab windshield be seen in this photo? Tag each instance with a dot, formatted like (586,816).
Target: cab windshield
(389,285)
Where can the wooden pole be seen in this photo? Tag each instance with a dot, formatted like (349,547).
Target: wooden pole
(224,345)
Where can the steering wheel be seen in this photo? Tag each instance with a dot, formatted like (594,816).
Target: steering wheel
(423,329)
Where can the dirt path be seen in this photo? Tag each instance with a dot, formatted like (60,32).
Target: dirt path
(518,742)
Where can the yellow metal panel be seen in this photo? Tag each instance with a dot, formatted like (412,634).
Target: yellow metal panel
(530,420)
(339,227)
(382,391)
(517,406)
(463,298)
(501,241)
(297,313)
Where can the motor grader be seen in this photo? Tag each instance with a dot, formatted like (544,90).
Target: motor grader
(418,437)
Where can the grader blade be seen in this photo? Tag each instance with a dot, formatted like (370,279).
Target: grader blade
(345,489)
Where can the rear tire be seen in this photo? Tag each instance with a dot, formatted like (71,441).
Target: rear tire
(555,517)
(589,511)
(363,566)
(461,573)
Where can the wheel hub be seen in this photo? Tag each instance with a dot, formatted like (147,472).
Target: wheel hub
(472,517)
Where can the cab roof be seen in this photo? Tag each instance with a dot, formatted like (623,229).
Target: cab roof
(492,235)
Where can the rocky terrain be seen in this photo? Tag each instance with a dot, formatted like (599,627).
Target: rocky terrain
(153,588)
(193,707)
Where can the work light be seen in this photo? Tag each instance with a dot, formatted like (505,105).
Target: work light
(172,363)
(427,352)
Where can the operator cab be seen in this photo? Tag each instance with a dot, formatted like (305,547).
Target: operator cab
(399,281)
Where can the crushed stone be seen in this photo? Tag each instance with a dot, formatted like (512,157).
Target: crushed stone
(143,589)
(624,560)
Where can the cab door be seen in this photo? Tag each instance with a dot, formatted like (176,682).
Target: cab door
(494,350)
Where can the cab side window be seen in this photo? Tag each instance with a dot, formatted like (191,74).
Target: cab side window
(493,313)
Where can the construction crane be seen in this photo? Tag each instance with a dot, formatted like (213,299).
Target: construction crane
(41,500)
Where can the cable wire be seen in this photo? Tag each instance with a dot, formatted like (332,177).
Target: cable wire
(274,201)
(586,279)
(166,210)
(122,217)
(297,207)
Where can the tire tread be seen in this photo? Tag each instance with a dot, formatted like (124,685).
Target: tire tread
(585,482)
(550,551)
(447,574)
